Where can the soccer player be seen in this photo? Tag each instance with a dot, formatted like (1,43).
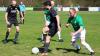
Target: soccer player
(46,20)
(11,19)
(22,12)
(79,30)
(59,31)
(50,29)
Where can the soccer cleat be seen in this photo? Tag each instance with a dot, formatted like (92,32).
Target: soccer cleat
(5,41)
(15,42)
(77,50)
(92,53)
(61,40)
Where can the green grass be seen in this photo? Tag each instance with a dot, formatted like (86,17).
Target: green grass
(31,30)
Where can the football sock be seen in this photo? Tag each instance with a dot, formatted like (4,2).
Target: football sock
(16,36)
(87,46)
(46,45)
(59,34)
(7,34)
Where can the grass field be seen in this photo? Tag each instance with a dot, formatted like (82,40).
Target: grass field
(31,31)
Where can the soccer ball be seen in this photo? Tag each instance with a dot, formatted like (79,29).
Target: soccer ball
(35,50)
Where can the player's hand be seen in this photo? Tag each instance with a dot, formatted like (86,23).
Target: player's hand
(66,25)
(7,23)
(73,33)
(46,29)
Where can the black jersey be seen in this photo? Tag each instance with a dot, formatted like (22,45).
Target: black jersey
(12,12)
(53,14)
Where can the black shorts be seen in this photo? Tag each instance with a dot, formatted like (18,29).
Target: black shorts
(15,23)
(52,29)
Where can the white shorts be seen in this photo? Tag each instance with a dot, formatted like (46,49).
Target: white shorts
(80,35)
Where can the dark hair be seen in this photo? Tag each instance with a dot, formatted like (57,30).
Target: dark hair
(47,3)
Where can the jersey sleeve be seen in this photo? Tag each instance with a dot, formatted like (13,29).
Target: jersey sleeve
(80,21)
(46,11)
(8,9)
(69,20)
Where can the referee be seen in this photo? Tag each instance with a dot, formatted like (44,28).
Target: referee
(11,19)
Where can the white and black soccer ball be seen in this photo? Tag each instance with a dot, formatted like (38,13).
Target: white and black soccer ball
(35,50)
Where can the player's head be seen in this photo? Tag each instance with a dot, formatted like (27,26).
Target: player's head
(13,2)
(47,4)
(52,3)
(72,12)
(21,2)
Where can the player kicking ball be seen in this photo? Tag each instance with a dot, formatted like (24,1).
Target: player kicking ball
(11,19)
(79,30)
(50,29)
(47,22)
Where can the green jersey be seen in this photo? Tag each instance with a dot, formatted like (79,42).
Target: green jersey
(76,22)
(47,16)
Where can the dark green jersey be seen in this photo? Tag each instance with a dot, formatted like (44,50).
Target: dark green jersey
(76,22)
(47,16)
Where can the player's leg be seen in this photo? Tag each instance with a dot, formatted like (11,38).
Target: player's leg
(23,17)
(7,33)
(46,39)
(84,43)
(51,33)
(73,42)
(44,33)
(59,34)
(46,44)
(20,20)
(17,32)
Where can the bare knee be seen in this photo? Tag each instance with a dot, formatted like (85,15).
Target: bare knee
(17,28)
(8,29)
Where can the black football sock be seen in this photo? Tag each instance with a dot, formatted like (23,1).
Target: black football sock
(7,35)
(46,46)
(16,36)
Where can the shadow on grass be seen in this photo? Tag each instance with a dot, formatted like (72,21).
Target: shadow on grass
(41,49)
(9,40)
(51,40)
(71,50)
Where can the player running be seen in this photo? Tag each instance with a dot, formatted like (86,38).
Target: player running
(79,30)
(50,29)
(11,19)
(22,12)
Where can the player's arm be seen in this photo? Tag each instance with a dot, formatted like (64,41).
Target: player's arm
(58,22)
(6,15)
(46,23)
(78,31)
(68,22)
(19,12)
